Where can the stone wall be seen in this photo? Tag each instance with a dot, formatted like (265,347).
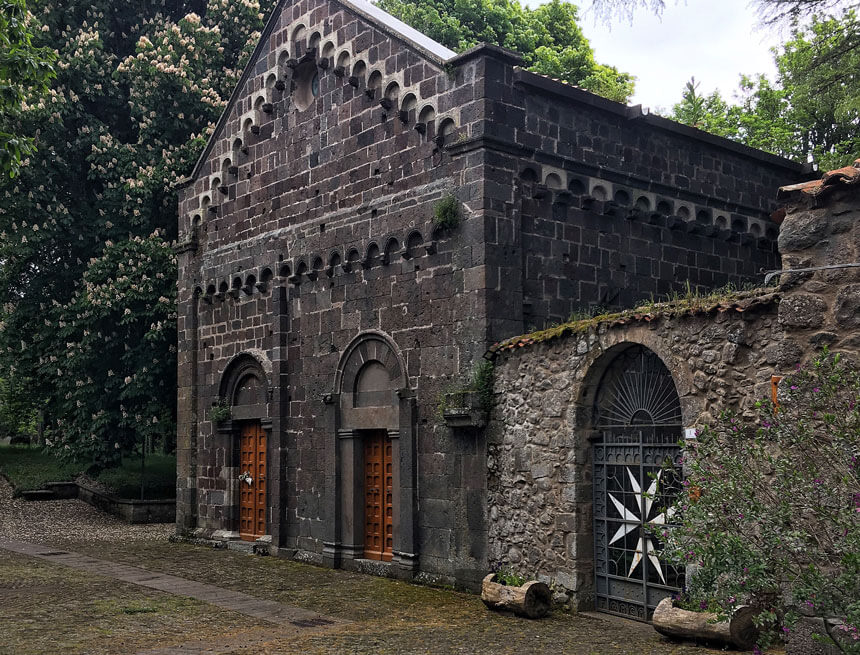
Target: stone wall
(721,353)
(316,228)
(611,205)
(309,223)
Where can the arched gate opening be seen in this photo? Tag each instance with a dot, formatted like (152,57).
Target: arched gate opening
(636,429)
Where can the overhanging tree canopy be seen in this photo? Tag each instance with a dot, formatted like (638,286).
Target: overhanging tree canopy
(138,87)
(548,37)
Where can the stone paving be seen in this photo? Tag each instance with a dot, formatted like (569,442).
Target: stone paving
(236,601)
(96,588)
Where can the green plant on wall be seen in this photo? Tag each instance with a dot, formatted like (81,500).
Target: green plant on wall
(480,382)
(220,411)
(446,212)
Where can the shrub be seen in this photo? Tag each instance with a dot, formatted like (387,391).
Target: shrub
(220,411)
(480,382)
(772,513)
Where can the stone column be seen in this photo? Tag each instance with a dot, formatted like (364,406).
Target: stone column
(186,398)
(279,416)
(405,556)
(331,499)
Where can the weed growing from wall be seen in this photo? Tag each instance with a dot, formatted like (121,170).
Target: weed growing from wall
(446,213)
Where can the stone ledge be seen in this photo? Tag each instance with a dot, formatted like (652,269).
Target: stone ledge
(130,511)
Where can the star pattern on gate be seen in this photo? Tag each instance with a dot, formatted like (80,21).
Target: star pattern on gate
(645,545)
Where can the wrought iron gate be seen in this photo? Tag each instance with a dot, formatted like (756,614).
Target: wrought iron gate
(637,474)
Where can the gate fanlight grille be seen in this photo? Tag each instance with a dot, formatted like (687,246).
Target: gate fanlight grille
(637,390)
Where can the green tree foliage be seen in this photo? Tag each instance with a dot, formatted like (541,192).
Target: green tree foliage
(17,416)
(773,513)
(813,109)
(138,88)
(113,382)
(818,70)
(25,72)
(709,113)
(548,37)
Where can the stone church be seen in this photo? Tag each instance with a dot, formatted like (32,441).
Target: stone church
(371,214)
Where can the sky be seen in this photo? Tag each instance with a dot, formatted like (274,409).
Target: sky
(713,40)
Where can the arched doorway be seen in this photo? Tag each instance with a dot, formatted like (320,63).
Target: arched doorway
(372,460)
(244,387)
(636,423)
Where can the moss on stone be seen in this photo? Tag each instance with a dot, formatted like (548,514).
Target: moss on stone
(691,301)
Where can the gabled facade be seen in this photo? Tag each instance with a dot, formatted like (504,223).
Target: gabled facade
(326,305)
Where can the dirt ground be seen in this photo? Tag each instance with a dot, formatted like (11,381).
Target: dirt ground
(46,607)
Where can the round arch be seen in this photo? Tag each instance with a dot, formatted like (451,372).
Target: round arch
(371,346)
(245,385)
(372,421)
(245,439)
(631,411)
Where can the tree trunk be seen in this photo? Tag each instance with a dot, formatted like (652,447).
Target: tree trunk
(532,600)
(672,621)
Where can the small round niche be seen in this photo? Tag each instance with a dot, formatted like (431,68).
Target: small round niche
(307,85)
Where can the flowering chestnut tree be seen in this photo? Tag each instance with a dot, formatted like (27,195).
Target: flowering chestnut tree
(113,379)
(138,89)
(772,517)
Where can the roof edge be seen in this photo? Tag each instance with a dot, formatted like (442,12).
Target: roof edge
(246,73)
(505,55)
(432,50)
(840,178)
(636,112)
(737,302)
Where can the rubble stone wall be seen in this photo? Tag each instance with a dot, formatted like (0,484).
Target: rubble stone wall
(720,356)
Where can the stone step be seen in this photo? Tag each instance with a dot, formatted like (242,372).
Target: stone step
(38,494)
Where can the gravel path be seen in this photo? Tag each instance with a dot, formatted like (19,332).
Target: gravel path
(61,522)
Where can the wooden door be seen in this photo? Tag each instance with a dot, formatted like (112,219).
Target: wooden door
(378,493)
(252,484)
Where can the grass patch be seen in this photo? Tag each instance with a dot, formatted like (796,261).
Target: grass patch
(29,467)
(139,609)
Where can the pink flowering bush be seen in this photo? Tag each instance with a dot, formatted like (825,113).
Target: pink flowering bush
(772,517)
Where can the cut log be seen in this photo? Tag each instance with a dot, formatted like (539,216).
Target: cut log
(744,632)
(673,621)
(532,600)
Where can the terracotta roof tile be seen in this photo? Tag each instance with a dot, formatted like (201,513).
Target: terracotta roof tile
(841,177)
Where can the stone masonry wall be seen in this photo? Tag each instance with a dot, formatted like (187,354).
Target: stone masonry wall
(539,457)
(310,220)
(591,203)
(294,248)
